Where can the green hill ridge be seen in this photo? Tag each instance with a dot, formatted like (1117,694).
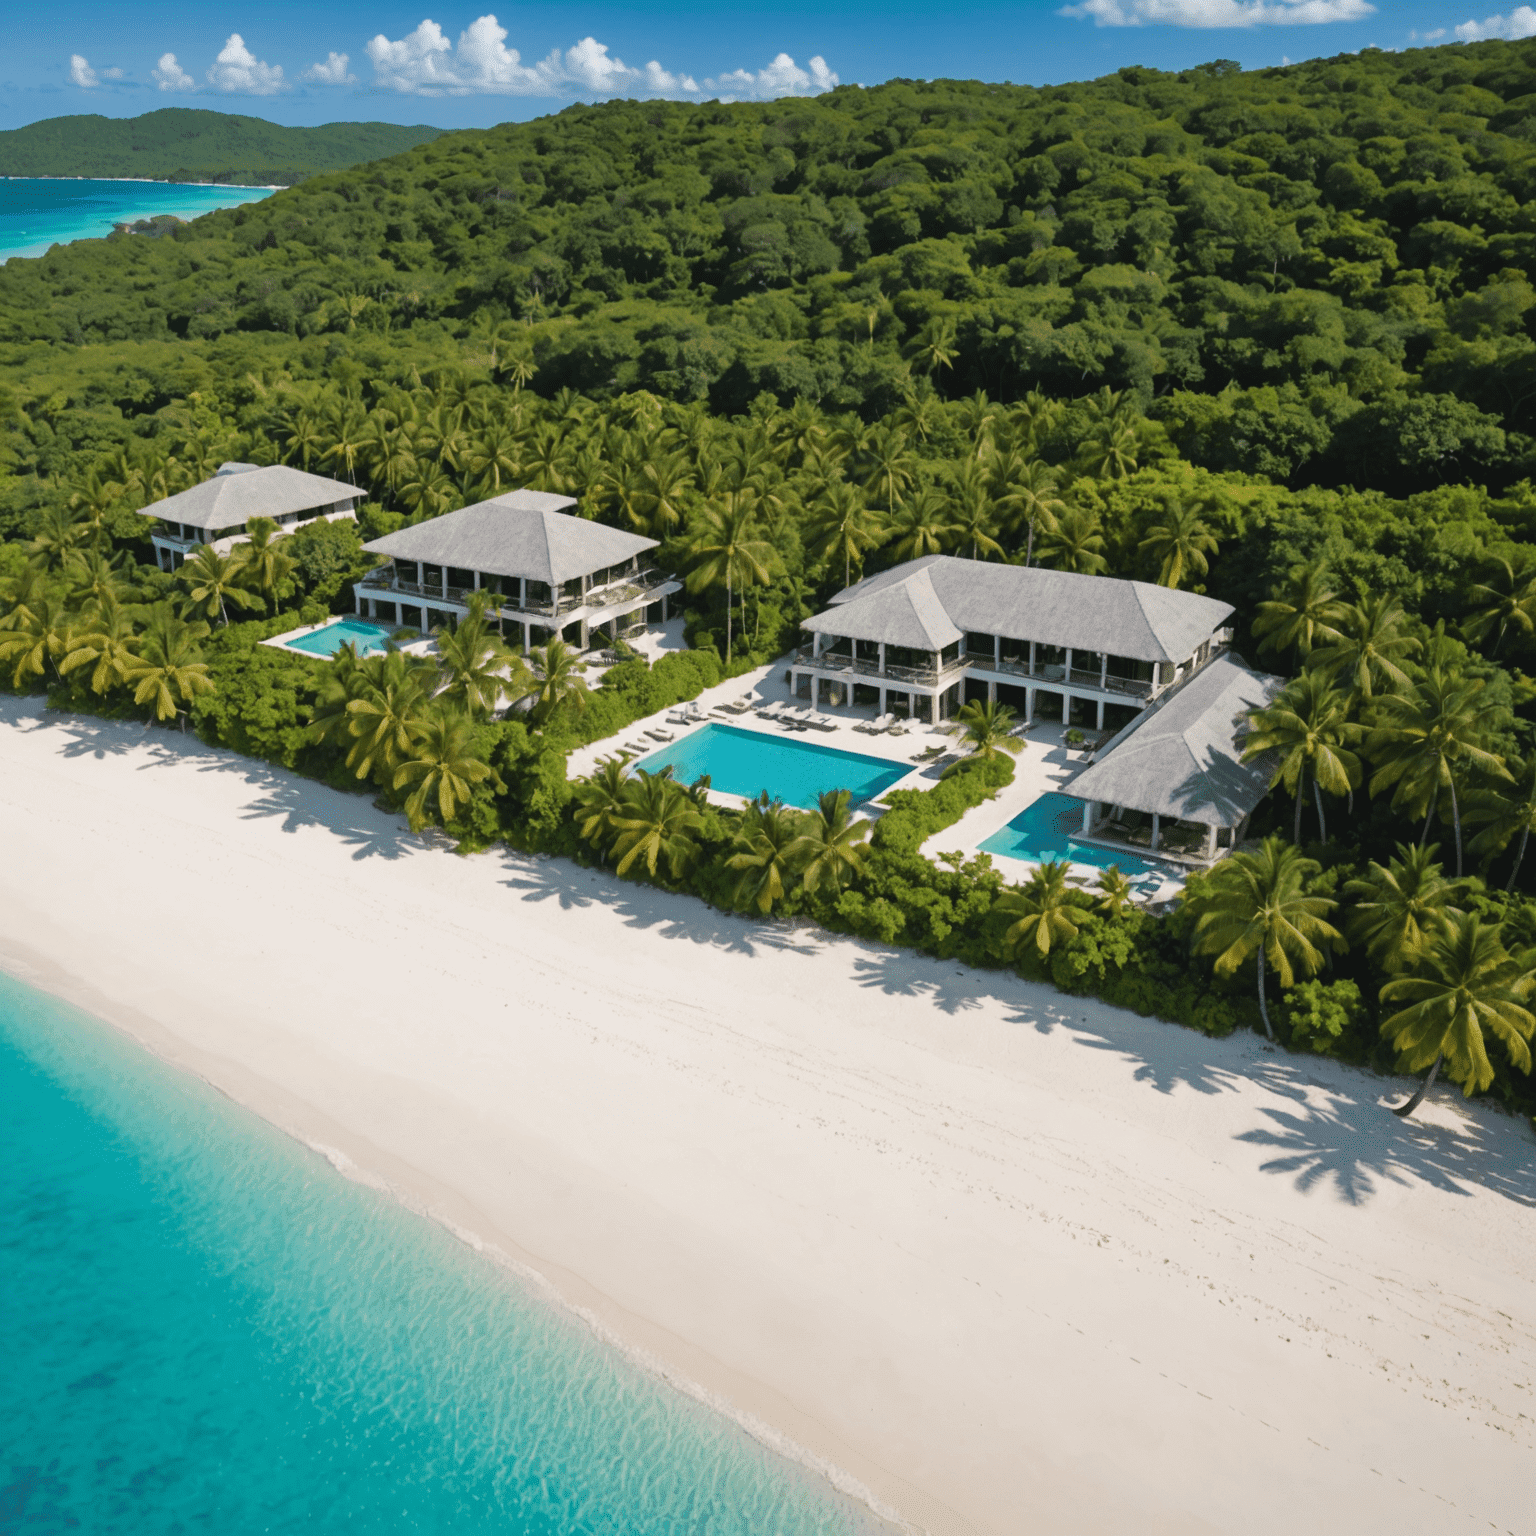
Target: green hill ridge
(188,144)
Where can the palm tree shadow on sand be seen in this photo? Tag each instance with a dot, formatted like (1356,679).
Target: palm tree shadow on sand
(298,802)
(671,915)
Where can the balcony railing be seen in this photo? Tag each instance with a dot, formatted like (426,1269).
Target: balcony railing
(831,661)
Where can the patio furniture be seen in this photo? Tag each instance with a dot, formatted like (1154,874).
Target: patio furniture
(660,735)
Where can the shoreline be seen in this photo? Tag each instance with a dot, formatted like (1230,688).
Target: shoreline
(946,1231)
(155,181)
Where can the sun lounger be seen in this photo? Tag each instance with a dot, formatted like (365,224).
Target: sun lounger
(660,735)
(822,723)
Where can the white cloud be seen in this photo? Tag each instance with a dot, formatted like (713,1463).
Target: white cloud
(238,71)
(1521,22)
(81,73)
(426,63)
(170,76)
(332,72)
(1218,13)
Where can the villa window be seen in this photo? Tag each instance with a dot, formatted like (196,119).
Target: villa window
(981,647)
(460,578)
(841,645)
(1050,656)
(949,653)
(432,575)
(1087,661)
(408,570)
(1014,652)
(904,656)
(866,650)
(571,588)
(489,583)
(539,594)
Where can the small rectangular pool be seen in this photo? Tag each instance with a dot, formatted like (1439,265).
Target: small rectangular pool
(742,762)
(1042,831)
(366,637)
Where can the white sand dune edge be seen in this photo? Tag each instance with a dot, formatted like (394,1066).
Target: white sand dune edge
(1011,1261)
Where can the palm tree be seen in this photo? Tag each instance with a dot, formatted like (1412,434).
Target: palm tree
(1048,911)
(841,524)
(479,663)
(656,821)
(554,676)
(1115,891)
(729,554)
(213,581)
(1305,611)
(771,851)
(888,463)
(386,713)
(106,642)
(1371,647)
(94,578)
(987,726)
(59,534)
(1031,494)
(1180,542)
(266,566)
(599,799)
(1111,452)
(1308,728)
(1076,543)
(934,347)
(1254,903)
(20,594)
(973,513)
(443,765)
(426,488)
(920,526)
(493,461)
(345,425)
(666,480)
(1421,739)
(1506,812)
(1400,907)
(1466,985)
(169,669)
(36,636)
(303,438)
(1505,601)
(836,850)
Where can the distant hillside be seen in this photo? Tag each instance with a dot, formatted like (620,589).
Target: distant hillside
(183,144)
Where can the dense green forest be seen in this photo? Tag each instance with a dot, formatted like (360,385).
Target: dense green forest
(189,144)
(1267,335)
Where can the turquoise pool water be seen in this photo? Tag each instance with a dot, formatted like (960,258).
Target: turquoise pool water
(208,1329)
(791,769)
(1041,831)
(39,211)
(326,642)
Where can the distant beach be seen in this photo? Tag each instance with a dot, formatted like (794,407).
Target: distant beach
(1001,1258)
(37,212)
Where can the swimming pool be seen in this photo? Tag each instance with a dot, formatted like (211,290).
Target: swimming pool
(356,632)
(1041,831)
(741,762)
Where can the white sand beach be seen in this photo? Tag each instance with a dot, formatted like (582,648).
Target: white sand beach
(1009,1261)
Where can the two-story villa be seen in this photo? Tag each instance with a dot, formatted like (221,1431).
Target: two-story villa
(547,573)
(218,511)
(927,636)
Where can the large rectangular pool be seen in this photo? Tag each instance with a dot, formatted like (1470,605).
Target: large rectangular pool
(365,637)
(1042,831)
(742,762)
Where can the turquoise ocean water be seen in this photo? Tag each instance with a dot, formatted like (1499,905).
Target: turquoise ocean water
(207,1329)
(36,212)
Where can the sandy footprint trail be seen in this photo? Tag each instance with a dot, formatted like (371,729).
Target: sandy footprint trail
(1012,1261)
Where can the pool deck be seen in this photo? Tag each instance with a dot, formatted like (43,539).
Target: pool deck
(1044,765)
(284,641)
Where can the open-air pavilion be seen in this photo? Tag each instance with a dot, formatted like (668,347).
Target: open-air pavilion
(1173,782)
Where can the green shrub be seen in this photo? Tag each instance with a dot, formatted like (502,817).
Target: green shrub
(1321,1016)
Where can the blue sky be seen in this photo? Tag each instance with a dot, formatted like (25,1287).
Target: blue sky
(476,64)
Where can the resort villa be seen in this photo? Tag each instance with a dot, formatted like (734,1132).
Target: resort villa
(218,511)
(546,572)
(1143,666)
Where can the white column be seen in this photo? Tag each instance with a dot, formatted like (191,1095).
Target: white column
(1104,670)
(1087,815)
(1157,831)
(1210,842)
(882,694)
(882,656)
(1031,658)
(991,692)
(1101,714)
(1066,676)
(1029,706)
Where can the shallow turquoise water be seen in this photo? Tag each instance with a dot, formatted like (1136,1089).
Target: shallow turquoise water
(36,212)
(1040,833)
(207,1329)
(741,762)
(326,642)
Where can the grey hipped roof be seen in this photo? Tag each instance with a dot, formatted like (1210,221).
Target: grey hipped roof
(231,498)
(1183,756)
(1091,613)
(905,613)
(520,534)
